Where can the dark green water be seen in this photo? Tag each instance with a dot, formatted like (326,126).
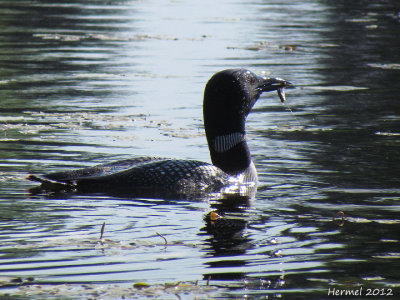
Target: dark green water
(86,82)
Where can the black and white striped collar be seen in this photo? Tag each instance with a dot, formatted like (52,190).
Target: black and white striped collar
(223,143)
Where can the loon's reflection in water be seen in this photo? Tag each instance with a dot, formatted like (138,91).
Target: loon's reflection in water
(226,225)
(229,243)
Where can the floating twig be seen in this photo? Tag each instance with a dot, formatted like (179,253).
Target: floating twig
(161,236)
(102,230)
(177,295)
(339,218)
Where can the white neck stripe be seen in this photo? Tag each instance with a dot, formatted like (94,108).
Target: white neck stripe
(226,142)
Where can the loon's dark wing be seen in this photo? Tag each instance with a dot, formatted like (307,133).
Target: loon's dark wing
(141,173)
(162,174)
(102,169)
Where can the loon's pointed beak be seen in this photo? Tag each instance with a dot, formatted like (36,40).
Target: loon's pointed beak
(268,84)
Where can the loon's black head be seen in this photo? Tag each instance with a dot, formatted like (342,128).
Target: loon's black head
(228,98)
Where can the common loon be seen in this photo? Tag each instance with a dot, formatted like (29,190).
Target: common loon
(228,98)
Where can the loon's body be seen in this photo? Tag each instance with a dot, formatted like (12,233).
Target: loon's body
(228,98)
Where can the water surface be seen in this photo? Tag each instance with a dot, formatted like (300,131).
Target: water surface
(88,82)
